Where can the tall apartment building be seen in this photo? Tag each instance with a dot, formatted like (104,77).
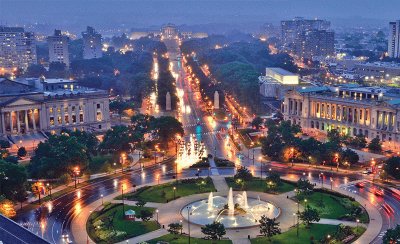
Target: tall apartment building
(17,49)
(92,46)
(58,48)
(394,39)
(315,43)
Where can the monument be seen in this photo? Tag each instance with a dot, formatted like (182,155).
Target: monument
(216,100)
(168,102)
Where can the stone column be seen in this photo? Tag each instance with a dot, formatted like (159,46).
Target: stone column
(33,119)
(3,125)
(26,121)
(11,122)
(62,115)
(18,123)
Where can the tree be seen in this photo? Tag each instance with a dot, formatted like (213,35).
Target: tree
(309,215)
(349,156)
(269,227)
(392,235)
(273,180)
(358,141)
(334,136)
(21,152)
(6,207)
(375,145)
(304,186)
(65,179)
(117,139)
(12,179)
(4,144)
(167,128)
(146,214)
(140,203)
(20,196)
(175,228)
(119,106)
(46,162)
(392,167)
(214,231)
(257,122)
(242,176)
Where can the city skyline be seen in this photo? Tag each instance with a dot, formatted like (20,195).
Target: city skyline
(190,12)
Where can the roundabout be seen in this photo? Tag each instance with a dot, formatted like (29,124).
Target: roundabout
(237,211)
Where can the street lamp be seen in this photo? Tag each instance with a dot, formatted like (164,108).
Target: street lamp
(102,199)
(122,161)
(331,183)
(188,213)
(123,202)
(49,187)
(76,173)
(157,214)
(115,168)
(174,192)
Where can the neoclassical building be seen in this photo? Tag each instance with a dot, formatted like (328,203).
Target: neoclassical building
(36,105)
(351,109)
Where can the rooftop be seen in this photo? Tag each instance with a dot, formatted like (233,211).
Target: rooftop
(280,71)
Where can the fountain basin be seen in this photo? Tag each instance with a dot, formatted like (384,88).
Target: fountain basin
(201,214)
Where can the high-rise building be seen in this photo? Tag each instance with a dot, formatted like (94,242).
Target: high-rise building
(291,29)
(394,39)
(58,48)
(313,43)
(17,49)
(92,46)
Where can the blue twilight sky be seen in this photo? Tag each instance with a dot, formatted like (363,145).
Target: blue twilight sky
(155,12)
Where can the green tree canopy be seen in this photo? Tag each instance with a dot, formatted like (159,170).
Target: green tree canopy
(12,179)
(269,227)
(214,231)
(309,215)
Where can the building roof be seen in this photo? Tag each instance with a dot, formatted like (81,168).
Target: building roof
(130,212)
(394,102)
(280,71)
(11,232)
(311,89)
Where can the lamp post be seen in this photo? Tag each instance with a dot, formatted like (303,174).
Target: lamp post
(122,161)
(188,212)
(292,155)
(358,221)
(115,168)
(331,183)
(76,173)
(123,202)
(174,192)
(102,199)
(176,172)
(39,185)
(49,187)
(180,221)
(157,214)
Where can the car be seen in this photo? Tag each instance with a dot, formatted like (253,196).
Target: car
(378,192)
(360,184)
(366,172)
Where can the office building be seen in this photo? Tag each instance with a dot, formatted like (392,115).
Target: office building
(35,105)
(92,45)
(290,29)
(17,49)
(394,39)
(351,109)
(276,82)
(58,48)
(375,70)
(315,43)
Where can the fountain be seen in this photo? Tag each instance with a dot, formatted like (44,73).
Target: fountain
(231,205)
(234,211)
(210,202)
(190,152)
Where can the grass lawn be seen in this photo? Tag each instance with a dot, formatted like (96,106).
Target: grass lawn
(333,207)
(184,240)
(165,192)
(316,232)
(114,227)
(246,139)
(259,185)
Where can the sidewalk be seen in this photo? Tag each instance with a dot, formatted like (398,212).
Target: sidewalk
(220,183)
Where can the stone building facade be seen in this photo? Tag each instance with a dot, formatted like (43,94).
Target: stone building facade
(370,111)
(39,105)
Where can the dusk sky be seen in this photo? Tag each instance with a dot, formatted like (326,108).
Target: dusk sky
(155,12)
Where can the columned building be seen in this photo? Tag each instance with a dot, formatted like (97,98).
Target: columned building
(370,111)
(33,105)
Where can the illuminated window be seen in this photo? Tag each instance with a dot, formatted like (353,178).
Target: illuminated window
(59,120)
(58,110)
(51,110)
(51,120)
(98,116)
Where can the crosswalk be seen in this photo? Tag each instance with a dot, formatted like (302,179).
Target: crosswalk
(381,234)
(193,125)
